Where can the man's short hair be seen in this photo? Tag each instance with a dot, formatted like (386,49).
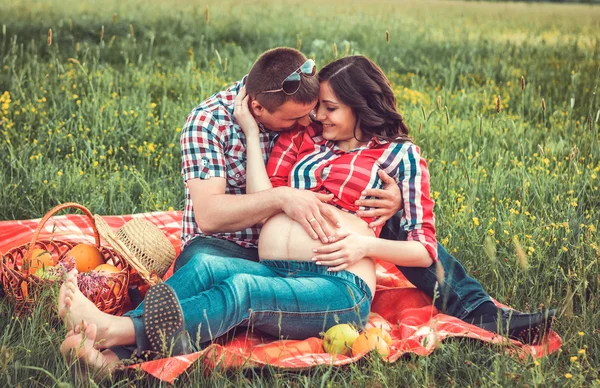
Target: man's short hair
(269,71)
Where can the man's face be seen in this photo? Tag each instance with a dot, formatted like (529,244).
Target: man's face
(286,117)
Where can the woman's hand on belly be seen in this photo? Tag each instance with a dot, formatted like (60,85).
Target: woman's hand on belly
(281,238)
(348,249)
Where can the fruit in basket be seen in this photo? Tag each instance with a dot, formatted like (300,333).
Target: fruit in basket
(49,273)
(339,339)
(87,257)
(368,341)
(40,258)
(108,269)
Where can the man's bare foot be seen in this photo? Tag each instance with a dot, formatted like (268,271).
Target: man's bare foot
(74,307)
(79,346)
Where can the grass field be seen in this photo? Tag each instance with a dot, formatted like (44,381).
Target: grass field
(501,98)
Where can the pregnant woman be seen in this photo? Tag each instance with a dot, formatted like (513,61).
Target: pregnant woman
(290,293)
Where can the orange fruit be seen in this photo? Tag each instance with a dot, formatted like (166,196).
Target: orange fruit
(107,269)
(40,258)
(382,333)
(370,341)
(87,257)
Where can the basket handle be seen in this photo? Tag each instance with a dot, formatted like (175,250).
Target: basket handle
(51,213)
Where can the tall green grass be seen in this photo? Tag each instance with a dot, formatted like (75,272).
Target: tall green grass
(95,118)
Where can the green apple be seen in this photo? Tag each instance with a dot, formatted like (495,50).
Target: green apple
(48,273)
(339,339)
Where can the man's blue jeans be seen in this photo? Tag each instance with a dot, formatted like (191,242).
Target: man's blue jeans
(283,299)
(459,295)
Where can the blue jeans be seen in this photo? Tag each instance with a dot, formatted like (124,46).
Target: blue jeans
(459,295)
(284,299)
(216,247)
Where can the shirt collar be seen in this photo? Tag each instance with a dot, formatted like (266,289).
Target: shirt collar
(374,142)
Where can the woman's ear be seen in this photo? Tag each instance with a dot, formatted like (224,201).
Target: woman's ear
(256,108)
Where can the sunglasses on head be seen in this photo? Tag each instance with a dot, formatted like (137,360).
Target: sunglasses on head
(291,84)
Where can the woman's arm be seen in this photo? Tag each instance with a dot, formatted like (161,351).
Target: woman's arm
(352,247)
(418,219)
(256,173)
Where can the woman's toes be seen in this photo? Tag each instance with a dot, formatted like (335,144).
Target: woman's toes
(91,331)
(72,277)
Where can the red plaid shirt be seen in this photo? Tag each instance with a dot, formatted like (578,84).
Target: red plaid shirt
(213,145)
(305,160)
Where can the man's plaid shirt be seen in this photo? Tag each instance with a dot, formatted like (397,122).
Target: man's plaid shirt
(213,145)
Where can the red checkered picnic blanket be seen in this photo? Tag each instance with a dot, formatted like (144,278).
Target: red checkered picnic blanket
(414,324)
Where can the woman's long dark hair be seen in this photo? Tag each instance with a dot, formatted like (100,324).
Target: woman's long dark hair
(359,83)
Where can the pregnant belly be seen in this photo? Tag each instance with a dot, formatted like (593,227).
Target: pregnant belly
(282,238)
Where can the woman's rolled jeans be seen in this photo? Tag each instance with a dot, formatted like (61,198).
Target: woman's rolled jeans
(284,299)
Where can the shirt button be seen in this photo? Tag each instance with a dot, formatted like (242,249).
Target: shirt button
(237,175)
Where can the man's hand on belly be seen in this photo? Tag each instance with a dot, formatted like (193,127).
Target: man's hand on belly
(309,210)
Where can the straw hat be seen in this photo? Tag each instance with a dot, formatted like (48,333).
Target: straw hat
(142,244)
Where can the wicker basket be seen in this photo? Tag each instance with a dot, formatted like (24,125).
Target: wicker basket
(24,288)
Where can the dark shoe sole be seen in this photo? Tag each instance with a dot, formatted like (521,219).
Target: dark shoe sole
(526,328)
(163,321)
(537,332)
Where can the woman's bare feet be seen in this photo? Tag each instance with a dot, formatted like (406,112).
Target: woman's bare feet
(74,307)
(79,345)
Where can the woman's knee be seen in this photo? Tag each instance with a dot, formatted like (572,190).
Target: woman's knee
(243,285)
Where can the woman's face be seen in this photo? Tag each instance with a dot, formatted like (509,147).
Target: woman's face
(338,119)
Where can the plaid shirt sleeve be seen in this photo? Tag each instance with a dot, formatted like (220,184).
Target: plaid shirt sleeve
(283,157)
(202,146)
(418,219)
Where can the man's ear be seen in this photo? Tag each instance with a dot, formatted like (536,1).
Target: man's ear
(256,108)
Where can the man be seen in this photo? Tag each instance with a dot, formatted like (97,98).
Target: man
(221,219)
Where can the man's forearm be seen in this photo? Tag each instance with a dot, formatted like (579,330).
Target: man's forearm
(231,213)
